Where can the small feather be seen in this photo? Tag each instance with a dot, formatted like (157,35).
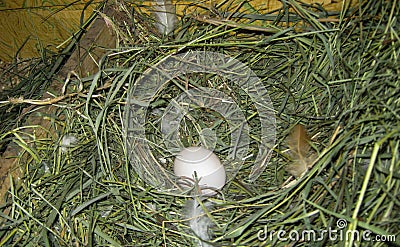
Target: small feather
(67,142)
(299,145)
(199,221)
(165,14)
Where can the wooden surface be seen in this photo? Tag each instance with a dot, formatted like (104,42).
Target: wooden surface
(37,25)
(260,6)
(29,24)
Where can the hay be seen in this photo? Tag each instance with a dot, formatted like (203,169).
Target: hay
(337,73)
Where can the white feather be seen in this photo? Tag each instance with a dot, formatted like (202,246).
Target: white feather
(165,14)
(67,142)
(199,221)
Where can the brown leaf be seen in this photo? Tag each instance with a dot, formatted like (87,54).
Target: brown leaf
(299,145)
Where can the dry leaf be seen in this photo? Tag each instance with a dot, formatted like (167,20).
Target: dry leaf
(299,145)
(165,14)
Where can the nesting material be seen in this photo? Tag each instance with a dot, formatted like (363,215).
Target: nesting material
(335,72)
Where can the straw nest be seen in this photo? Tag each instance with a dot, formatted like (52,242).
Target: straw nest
(332,78)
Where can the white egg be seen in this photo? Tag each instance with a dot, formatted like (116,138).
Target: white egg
(210,172)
